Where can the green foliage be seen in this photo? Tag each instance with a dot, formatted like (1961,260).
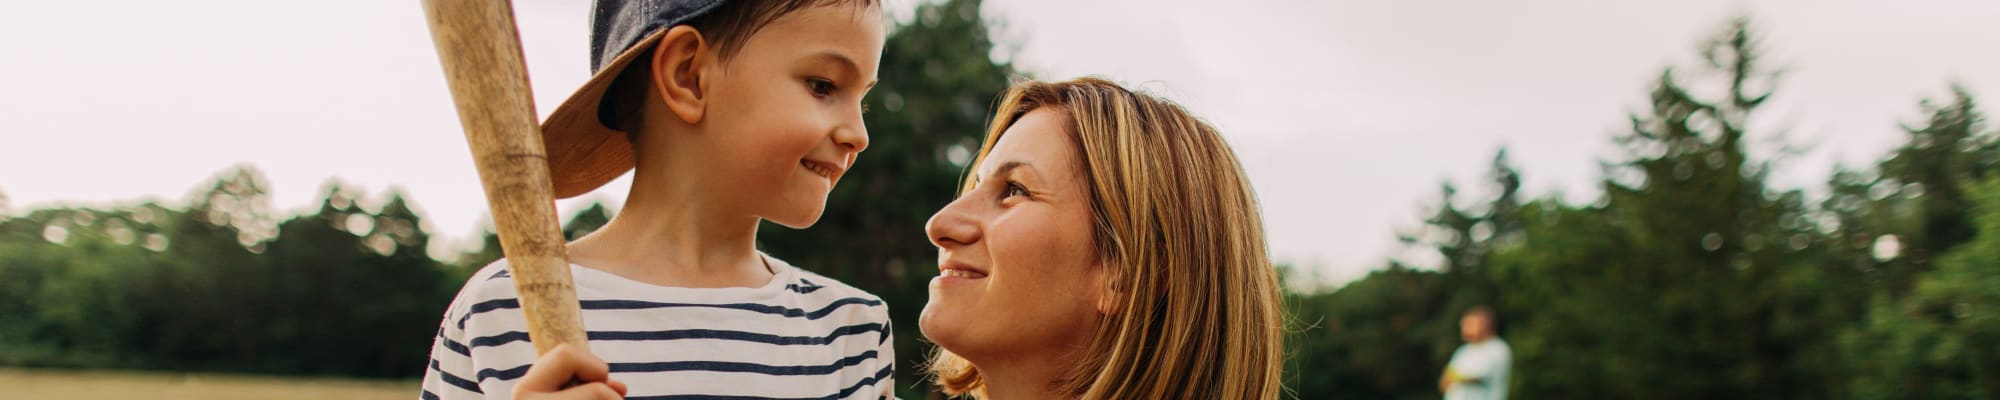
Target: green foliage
(1694,251)
(1918,198)
(1931,332)
(1377,338)
(1389,334)
(1691,278)
(220,287)
(586,221)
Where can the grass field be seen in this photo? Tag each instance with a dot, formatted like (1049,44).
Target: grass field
(67,385)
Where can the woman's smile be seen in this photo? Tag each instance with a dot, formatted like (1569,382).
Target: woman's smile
(955,273)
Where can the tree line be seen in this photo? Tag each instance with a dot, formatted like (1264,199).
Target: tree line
(1691,276)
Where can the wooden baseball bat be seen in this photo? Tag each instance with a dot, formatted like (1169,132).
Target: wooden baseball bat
(481,52)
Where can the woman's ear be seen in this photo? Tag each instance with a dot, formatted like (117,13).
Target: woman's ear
(1110,291)
(681,72)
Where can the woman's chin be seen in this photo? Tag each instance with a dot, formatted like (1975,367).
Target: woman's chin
(940,321)
(933,325)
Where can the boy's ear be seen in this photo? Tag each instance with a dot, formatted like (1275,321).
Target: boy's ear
(680,72)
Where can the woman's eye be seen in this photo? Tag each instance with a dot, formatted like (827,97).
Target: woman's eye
(820,87)
(1014,189)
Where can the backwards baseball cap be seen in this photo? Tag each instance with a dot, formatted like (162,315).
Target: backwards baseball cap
(584,153)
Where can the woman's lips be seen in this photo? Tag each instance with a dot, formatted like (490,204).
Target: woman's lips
(953,273)
(962,273)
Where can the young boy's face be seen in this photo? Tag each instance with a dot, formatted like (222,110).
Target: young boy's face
(785,112)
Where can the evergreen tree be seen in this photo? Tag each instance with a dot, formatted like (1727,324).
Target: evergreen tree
(1918,200)
(1389,334)
(1921,228)
(1942,340)
(200,301)
(1703,282)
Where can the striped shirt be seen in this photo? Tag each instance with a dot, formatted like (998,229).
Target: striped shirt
(801,336)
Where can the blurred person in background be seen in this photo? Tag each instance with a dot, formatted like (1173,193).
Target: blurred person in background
(1479,368)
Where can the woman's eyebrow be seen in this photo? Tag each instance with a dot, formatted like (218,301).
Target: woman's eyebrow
(1003,170)
(1010,166)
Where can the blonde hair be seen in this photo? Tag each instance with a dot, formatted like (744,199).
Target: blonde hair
(1177,226)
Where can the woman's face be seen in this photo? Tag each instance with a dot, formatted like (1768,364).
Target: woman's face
(1019,279)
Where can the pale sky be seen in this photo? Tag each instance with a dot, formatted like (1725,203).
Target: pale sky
(1348,114)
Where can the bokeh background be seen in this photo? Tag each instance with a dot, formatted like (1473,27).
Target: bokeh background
(1700,199)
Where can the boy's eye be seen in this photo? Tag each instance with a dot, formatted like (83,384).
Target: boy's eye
(820,87)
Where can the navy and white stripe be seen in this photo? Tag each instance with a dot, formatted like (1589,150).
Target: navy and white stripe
(802,336)
(587,305)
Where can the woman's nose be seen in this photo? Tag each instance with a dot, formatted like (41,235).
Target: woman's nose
(952,226)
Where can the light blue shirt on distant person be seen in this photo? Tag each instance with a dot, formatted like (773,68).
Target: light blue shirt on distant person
(1489,361)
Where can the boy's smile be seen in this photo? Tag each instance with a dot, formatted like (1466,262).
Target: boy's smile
(772,127)
(827,170)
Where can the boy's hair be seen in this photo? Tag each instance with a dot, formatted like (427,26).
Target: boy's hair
(1174,220)
(726,28)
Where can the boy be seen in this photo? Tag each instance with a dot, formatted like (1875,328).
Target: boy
(730,112)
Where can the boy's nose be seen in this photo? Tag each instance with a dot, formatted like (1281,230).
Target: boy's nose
(853,137)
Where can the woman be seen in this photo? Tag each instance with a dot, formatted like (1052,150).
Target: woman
(1105,246)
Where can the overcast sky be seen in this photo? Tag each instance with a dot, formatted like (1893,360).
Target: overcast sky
(1348,114)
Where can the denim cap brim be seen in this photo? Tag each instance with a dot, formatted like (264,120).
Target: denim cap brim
(617,25)
(583,153)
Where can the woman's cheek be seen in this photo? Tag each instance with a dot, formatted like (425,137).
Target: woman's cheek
(1024,245)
